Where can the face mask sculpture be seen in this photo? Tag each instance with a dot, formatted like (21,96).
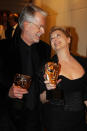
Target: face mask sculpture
(22,80)
(51,72)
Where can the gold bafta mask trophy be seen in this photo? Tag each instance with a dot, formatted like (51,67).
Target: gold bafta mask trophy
(23,81)
(51,74)
(52,71)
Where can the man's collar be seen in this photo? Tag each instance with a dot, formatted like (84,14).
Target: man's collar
(14,27)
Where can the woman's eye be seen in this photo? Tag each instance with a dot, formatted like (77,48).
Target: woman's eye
(56,36)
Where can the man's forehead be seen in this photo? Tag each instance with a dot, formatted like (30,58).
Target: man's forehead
(39,17)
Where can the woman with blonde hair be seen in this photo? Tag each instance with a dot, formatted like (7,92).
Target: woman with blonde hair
(67,111)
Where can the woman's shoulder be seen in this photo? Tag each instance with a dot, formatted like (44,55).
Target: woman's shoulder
(82,60)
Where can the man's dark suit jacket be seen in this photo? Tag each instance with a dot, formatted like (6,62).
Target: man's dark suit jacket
(17,57)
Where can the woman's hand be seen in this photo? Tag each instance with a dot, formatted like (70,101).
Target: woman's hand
(43,97)
(50,86)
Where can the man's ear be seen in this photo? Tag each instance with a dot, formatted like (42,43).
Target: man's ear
(25,23)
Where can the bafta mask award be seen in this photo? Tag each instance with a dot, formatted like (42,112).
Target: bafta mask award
(52,71)
(23,81)
(51,74)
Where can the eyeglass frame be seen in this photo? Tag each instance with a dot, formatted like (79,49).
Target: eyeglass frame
(39,27)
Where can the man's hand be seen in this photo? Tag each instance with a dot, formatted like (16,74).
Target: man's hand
(17,92)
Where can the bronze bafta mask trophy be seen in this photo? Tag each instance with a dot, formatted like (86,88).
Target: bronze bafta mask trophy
(23,81)
(51,74)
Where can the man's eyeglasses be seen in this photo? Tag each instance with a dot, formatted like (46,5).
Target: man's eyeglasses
(38,26)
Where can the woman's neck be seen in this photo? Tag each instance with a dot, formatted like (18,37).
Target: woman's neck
(63,55)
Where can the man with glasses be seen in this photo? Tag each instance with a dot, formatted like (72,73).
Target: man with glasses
(25,60)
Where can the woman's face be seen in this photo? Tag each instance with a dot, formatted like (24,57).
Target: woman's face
(59,40)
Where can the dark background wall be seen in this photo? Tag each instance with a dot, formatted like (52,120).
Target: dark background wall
(13,5)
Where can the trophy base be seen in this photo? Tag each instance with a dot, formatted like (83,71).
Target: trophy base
(55,96)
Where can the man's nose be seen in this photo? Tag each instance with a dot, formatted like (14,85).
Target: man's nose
(42,30)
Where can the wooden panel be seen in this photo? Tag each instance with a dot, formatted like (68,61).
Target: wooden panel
(78,4)
(79,21)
